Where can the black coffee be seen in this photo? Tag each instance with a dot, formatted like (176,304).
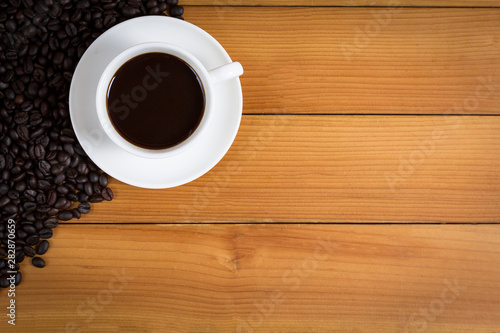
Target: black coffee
(155,101)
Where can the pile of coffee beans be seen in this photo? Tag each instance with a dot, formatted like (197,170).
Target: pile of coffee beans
(45,176)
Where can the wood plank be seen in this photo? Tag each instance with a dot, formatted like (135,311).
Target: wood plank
(335,168)
(347,3)
(321,60)
(335,278)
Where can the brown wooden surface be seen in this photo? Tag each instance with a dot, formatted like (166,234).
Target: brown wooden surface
(320,60)
(322,138)
(335,169)
(347,3)
(248,278)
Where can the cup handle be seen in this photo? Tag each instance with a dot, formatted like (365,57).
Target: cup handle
(225,72)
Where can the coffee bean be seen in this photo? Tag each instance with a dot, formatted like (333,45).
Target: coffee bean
(96,188)
(88,189)
(56,11)
(38,75)
(32,240)
(29,229)
(61,202)
(103,180)
(57,169)
(96,198)
(51,222)
(109,20)
(29,251)
(45,233)
(84,208)
(93,177)
(43,184)
(10,25)
(38,262)
(21,118)
(58,58)
(11,208)
(176,10)
(4,201)
(4,283)
(39,151)
(54,25)
(71,29)
(42,247)
(65,215)
(107,194)
(76,213)
(18,278)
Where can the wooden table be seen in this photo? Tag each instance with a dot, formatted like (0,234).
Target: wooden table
(361,193)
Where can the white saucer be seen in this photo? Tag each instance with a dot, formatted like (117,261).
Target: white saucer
(154,173)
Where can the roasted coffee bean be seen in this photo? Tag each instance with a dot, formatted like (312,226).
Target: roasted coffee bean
(21,234)
(88,189)
(62,189)
(18,278)
(109,20)
(58,58)
(96,188)
(54,25)
(29,229)
(45,233)
(39,151)
(38,262)
(81,179)
(96,198)
(82,169)
(21,117)
(42,247)
(32,240)
(76,213)
(71,29)
(38,76)
(11,209)
(65,215)
(39,225)
(57,169)
(51,197)
(176,10)
(61,202)
(29,251)
(71,173)
(84,208)
(4,283)
(93,177)
(19,256)
(43,185)
(50,223)
(103,180)
(83,197)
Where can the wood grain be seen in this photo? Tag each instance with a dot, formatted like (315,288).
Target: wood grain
(231,278)
(320,60)
(337,169)
(347,3)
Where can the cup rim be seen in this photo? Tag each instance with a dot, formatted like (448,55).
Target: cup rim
(130,53)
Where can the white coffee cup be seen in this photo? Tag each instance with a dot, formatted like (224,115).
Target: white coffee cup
(208,78)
